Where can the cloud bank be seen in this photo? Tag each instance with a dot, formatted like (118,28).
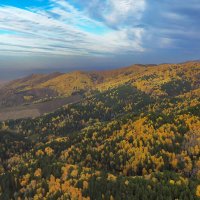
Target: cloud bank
(63,29)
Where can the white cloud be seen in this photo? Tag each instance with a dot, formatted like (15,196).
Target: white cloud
(64,30)
(118,11)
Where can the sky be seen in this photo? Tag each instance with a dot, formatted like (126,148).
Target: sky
(40,36)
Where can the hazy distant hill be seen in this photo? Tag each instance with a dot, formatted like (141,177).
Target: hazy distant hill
(2,83)
(156,80)
(41,86)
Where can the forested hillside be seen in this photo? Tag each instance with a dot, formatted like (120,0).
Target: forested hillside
(134,135)
(155,79)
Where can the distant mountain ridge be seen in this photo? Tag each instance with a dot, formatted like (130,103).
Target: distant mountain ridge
(147,78)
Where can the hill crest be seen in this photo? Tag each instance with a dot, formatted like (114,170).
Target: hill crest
(148,78)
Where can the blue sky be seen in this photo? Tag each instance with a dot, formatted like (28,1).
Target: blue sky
(62,35)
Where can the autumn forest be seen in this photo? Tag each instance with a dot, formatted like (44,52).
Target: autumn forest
(130,134)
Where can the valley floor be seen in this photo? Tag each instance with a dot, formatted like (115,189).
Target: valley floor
(37,109)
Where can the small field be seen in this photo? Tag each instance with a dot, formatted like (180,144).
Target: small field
(36,110)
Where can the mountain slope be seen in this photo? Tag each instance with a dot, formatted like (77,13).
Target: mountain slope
(154,80)
(23,90)
(137,137)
